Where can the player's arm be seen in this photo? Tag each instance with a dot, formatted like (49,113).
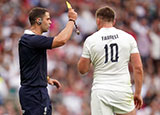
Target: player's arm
(66,33)
(84,65)
(138,78)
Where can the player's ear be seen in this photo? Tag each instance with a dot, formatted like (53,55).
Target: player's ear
(114,22)
(97,21)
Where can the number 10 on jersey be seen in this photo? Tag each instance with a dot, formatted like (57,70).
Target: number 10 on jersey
(114,52)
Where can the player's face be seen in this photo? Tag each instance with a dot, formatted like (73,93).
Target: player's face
(46,22)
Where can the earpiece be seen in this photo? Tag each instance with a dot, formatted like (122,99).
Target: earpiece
(40,21)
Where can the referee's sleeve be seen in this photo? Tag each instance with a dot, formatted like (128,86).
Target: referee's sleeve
(42,42)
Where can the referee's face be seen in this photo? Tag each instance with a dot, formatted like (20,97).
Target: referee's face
(46,22)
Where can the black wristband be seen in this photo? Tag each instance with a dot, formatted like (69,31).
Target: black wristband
(72,20)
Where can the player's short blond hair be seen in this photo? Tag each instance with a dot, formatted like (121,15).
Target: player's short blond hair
(106,13)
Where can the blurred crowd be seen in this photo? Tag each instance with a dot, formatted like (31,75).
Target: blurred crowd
(141,18)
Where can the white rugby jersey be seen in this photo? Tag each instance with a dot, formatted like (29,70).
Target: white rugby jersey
(109,50)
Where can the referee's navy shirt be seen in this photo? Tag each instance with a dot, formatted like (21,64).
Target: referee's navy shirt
(33,59)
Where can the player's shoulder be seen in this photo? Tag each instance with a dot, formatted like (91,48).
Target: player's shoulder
(92,36)
(126,35)
(122,32)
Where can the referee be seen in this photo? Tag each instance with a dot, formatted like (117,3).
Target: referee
(33,94)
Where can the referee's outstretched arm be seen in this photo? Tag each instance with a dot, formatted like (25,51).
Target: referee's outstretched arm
(65,34)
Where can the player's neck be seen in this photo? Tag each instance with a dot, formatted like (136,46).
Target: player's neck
(106,25)
(36,29)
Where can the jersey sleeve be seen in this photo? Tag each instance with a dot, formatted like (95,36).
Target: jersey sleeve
(41,42)
(85,52)
(134,47)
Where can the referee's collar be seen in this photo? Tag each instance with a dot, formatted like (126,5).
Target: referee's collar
(32,33)
(28,32)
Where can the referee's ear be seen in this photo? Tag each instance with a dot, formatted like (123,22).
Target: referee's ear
(39,21)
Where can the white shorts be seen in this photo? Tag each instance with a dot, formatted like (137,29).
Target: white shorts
(110,102)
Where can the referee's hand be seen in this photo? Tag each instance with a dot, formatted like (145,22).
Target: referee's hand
(138,101)
(54,82)
(72,14)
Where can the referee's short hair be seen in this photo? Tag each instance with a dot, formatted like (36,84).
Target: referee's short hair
(35,13)
(106,14)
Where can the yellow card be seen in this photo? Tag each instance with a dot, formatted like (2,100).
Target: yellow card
(68,5)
